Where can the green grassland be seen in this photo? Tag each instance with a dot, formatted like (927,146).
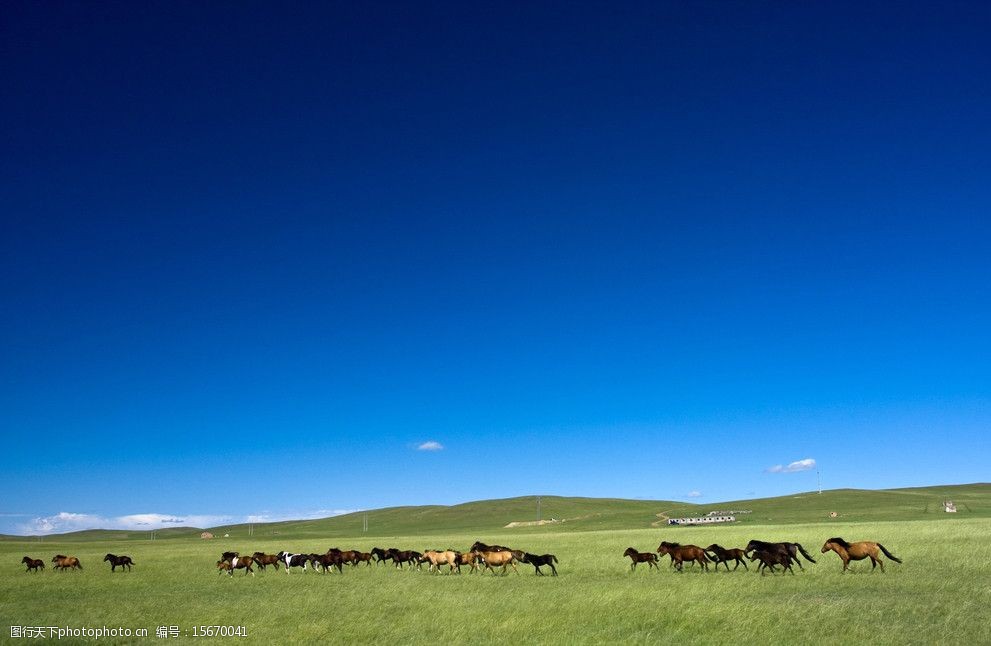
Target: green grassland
(938,595)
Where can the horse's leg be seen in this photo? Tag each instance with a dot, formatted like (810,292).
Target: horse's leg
(553,569)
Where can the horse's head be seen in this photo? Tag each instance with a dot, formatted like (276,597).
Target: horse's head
(26,560)
(107,557)
(630,552)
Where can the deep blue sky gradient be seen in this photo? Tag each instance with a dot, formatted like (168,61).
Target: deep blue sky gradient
(253,254)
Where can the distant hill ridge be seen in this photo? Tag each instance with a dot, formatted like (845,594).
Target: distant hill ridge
(589,514)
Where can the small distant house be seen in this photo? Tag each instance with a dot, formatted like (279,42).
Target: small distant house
(206,535)
(949,507)
(703,520)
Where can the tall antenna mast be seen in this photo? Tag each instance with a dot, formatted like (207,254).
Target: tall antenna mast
(819,480)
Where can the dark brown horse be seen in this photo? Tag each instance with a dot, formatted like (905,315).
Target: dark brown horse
(791,549)
(680,553)
(63,562)
(722,555)
(858,551)
(641,557)
(479,546)
(122,561)
(769,558)
(405,556)
(33,564)
(381,554)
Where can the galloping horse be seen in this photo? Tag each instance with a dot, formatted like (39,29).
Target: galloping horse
(791,549)
(33,564)
(239,563)
(381,554)
(641,557)
(537,560)
(722,555)
(770,558)
(294,560)
(405,556)
(680,553)
(262,559)
(122,561)
(858,551)
(469,558)
(437,558)
(363,557)
(495,558)
(63,562)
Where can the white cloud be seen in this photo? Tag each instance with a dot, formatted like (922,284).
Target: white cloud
(431,445)
(798,465)
(72,522)
(693,494)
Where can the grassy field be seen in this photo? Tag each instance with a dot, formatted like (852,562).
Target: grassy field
(938,595)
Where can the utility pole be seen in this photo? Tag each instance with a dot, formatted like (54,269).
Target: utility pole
(364,522)
(538,509)
(819,480)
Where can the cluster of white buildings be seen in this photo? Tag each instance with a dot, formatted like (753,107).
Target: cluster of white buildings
(701,520)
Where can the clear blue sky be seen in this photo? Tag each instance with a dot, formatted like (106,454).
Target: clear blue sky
(254,255)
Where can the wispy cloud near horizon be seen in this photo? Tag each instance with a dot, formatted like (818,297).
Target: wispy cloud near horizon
(65,521)
(793,467)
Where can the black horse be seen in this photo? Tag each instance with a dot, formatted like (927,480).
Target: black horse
(537,560)
(791,549)
(720,554)
(122,561)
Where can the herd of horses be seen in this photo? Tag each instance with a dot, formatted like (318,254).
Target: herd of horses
(769,554)
(62,562)
(479,558)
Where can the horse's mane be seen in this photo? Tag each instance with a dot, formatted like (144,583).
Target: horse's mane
(839,541)
(667,544)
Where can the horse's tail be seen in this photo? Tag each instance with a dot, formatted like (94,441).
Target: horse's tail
(889,554)
(804,553)
(553,559)
(80,565)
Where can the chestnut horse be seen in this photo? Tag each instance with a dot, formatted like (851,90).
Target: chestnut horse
(33,564)
(641,557)
(858,551)
(680,553)
(63,562)
(720,554)
(262,559)
(240,563)
(469,558)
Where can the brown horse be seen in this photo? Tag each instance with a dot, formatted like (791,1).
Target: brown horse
(858,551)
(680,553)
(33,564)
(770,558)
(496,558)
(262,560)
(437,558)
(63,562)
(363,557)
(469,558)
(720,554)
(237,563)
(641,557)
(405,556)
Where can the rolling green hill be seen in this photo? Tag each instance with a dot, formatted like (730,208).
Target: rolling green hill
(589,514)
